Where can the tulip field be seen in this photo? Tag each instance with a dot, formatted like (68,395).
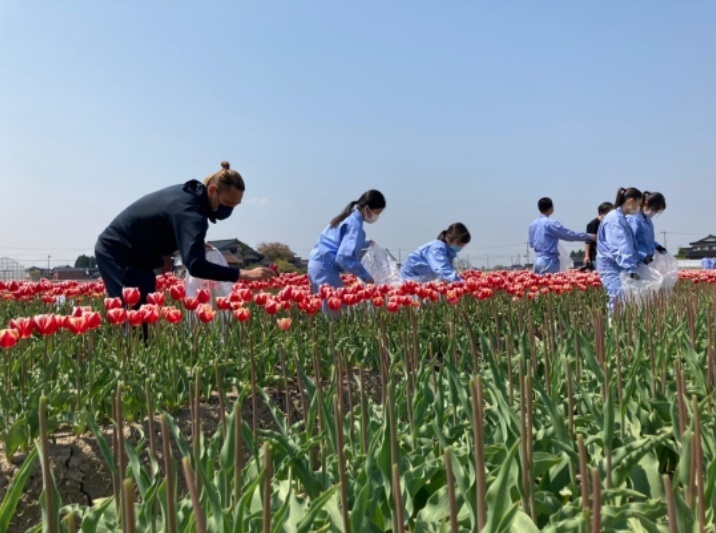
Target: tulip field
(506,402)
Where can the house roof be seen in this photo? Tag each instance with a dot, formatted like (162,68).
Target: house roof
(226,243)
(709,239)
(235,252)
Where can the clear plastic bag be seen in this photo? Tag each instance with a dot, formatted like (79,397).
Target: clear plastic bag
(565,262)
(666,265)
(381,266)
(216,288)
(640,290)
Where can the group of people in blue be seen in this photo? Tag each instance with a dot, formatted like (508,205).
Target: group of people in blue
(343,242)
(708,263)
(620,238)
(140,239)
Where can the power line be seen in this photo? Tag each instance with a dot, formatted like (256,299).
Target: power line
(40,248)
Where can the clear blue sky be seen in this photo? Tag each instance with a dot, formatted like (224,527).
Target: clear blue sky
(459,110)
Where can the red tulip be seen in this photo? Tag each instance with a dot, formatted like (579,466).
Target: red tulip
(393,306)
(242,314)
(171,314)
(117,316)
(334,304)
(283,323)
(77,325)
(150,313)
(112,303)
(135,318)
(224,304)
(81,311)
(378,301)
(46,324)
(203,295)
(94,319)
(205,313)
(272,307)
(131,296)
(23,326)
(177,292)
(244,294)
(156,298)
(274,267)
(261,298)
(191,303)
(8,338)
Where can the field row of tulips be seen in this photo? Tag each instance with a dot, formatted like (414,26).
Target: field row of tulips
(505,402)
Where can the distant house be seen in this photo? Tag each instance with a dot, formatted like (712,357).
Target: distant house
(65,273)
(705,247)
(236,253)
(36,273)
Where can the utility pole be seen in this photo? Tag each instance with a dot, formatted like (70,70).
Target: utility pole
(527,253)
(48,264)
(664,234)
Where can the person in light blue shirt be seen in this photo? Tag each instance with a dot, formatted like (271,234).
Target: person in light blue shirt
(616,246)
(544,236)
(643,227)
(434,259)
(708,263)
(341,245)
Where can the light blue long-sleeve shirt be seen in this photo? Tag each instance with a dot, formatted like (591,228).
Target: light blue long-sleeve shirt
(340,248)
(643,229)
(546,233)
(430,261)
(616,245)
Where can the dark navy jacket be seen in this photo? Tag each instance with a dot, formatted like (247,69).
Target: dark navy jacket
(160,223)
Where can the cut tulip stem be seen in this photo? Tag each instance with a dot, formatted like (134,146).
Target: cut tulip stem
(267,488)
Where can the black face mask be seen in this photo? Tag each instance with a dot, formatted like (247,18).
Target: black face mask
(223,212)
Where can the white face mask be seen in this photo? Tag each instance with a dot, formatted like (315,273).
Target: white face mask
(648,213)
(370,217)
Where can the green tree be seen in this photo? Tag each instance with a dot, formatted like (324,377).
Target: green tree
(86,261)
(682,253)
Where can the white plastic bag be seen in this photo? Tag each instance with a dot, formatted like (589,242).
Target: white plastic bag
(216,288)
(639,291)
(666,265)
(565,262)
(381,266)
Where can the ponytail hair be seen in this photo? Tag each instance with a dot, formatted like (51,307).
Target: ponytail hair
(225,178)
(372,198)
(655,200)
(625,194)
(456,233)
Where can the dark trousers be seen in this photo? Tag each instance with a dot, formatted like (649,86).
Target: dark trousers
(118,273)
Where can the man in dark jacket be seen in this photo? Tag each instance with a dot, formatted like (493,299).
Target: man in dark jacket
(175,218)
